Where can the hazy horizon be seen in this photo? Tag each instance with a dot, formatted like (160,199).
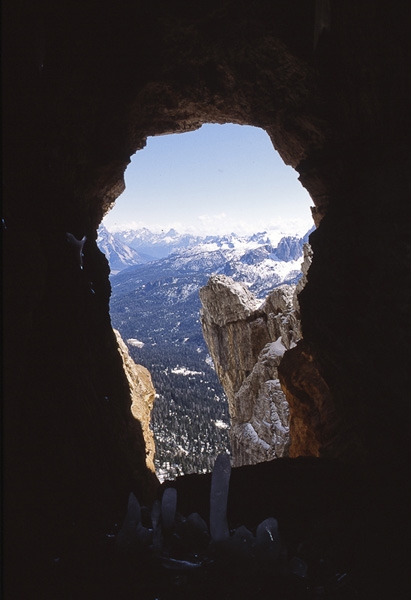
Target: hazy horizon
(217,180)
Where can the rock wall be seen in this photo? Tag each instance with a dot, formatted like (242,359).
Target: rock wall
(247,339)
(142,397)
(279,402)
(84,84)
(348,325)
(74,448)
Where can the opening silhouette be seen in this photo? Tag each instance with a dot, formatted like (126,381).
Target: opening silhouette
(191,210)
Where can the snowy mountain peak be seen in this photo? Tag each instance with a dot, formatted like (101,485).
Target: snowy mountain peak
(133,247)
(119,254)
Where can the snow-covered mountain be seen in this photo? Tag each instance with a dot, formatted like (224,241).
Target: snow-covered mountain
(156,307)
(119,255)
(133,247)
(157,245)
(158,302)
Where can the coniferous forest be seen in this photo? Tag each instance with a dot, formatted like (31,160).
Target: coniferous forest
(190,414)
(156,308)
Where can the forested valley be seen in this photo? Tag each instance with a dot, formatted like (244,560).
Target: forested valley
(156,308)
(190,415)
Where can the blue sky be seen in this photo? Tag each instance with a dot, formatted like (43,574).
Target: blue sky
(218,179)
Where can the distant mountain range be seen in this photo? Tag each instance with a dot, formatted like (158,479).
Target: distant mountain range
(157,245)
(119,254)
(155,305)
(156,301)
(140,246)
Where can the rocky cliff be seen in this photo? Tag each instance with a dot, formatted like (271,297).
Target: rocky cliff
(85,84)
(247,339)
(142,397)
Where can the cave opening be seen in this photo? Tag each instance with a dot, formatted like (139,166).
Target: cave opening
(84,87)
(221,200)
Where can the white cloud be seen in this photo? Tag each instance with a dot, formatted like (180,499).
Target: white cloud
(220,224)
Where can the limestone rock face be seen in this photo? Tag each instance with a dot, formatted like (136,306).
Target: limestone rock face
(310,403)
(228,303)
(305,265)
(247,340)
(142,397)
(231,320)
(85,84)
(282,320)
(260,431)
(313,417)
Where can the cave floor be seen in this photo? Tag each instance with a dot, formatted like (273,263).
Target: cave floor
(334,544)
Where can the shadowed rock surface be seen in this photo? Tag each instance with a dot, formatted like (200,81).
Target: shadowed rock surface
(84,84)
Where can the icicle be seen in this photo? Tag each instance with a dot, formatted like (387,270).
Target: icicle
(268,539)
(78,245)
(220,482)
(180,565)
(127,535)
(241,542)
(196,525)
(144,536)
(298,567)
(168,507)
(322,19)
(155,520)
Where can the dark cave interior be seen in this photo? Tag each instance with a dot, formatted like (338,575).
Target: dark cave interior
(84,84)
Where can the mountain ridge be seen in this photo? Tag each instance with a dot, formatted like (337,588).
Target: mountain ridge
(156,307)
(127,248)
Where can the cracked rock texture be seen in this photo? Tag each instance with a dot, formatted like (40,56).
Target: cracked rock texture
(84,85)
(142,397)
(247,339)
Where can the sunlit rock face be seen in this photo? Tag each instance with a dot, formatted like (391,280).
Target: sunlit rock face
(233,328)
(142,397)
(247,340)
(84,85)
(305,265)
